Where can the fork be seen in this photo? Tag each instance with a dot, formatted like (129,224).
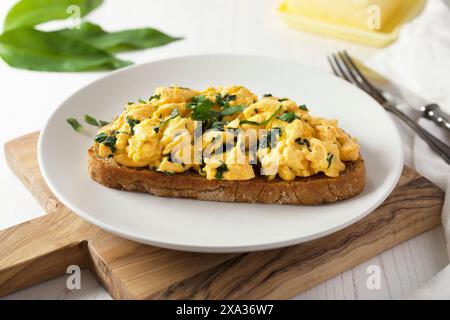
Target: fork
(344,67)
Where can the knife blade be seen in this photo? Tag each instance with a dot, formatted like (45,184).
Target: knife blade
(430,111)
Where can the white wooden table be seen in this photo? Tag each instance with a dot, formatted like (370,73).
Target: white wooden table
(209,26)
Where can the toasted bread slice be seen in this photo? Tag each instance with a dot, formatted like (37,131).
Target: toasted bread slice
(317,189)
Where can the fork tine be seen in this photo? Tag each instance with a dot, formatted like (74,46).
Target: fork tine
(339,67)
(333,67)
(354,69)
(348,68)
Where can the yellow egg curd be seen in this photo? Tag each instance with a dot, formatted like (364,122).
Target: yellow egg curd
(225,133)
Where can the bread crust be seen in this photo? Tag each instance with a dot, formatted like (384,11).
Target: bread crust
(314,190)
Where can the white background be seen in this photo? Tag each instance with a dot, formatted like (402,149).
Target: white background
(209,26)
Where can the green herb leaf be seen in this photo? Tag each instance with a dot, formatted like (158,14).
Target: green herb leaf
(288,117)
(173,115)
(267,95)
(103,123)
(107,140)
(230,110)
(230,97)
(303,142)
(224,101)
(201,108)
(168,173)
(28,13)
(27,48)
(218,125)
(100,137)
(283,99)
(220,101)
(140,100)
(124,40)
(75,124)
(131,124)
(330,157)
(111,143)
(303,107)
(263,123)
(91,120)
(156,96)
(220,171)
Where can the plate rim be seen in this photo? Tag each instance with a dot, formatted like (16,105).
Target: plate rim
(205,248)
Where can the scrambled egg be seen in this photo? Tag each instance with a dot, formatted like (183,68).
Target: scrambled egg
(225,133)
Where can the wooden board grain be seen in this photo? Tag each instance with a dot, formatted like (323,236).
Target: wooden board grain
(43,248)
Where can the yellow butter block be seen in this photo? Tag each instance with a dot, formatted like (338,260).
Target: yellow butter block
(352,13)
(372,22)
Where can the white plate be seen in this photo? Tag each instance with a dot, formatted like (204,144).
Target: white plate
(213,226)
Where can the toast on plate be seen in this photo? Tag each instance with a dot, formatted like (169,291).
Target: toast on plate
(225,144)
(314,190)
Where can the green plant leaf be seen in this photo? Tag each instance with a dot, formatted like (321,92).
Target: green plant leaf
(262,123)
(27,48)
(288,117)
(230,110)
(201,108)
(303,107)
(94,122)
(91,120)
(75,124)
(28,13)
(125,40)
(131,124)
(220,171)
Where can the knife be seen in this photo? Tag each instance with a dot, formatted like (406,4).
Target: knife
(430,111)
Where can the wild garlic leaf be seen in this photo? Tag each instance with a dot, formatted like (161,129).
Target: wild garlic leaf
(118,41)
(218,125)
(94,122)
(28,13)
(230,110)
(224,101)
(108,140)
(131,124)
(303,107)
(91,120)
(201,108)
(173,115)
(27,48)
(75,124)
(303,142)
(155,96)
(220,171)
(101,137)
(262,123)
(288,117)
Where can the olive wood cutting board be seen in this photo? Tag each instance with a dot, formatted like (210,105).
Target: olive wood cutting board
(43,248)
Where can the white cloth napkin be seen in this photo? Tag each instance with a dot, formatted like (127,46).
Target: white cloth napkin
(420,62)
